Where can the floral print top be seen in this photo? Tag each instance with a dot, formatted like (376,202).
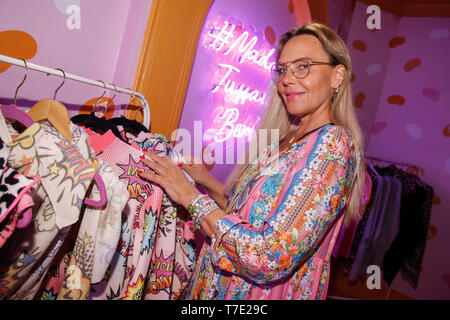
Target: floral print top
(283,217)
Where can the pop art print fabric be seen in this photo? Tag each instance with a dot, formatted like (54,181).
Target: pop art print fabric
(174,248)
(65,177)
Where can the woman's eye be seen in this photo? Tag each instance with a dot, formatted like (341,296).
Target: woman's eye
(302,67)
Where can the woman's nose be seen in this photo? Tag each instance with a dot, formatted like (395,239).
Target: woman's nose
(289,77)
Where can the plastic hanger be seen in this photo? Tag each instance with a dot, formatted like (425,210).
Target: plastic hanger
(132,125)
(101,188)
(12,111)
(90,119)
(98,123)
(53,111)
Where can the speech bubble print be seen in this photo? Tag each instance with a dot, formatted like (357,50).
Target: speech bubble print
(440,33)
(373,69)
(446,131)
(359,45)
(396,99)
(414,131)
(411,64)
(396,41)
(16,44)
(270,35)
(378,127)
(431,94)
(359,99)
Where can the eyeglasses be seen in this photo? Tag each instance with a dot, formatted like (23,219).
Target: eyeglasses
(300,68)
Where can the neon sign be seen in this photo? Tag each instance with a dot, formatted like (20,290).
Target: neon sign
(241,64)
(254,56)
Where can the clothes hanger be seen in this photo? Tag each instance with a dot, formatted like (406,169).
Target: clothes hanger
(88,119)
(53,111)
(102,189)
(132,125)
(98,123)
(12,111)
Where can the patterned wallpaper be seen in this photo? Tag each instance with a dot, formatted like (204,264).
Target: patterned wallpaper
(401,92)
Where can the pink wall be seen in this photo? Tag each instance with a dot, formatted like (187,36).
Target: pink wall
(265,19)
(104,47)
(401,71)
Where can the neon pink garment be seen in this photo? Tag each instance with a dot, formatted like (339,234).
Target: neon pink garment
(174,250)
(129,271)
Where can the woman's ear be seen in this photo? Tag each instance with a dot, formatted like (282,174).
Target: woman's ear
(338,76)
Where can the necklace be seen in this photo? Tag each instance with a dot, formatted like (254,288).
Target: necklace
(294,136)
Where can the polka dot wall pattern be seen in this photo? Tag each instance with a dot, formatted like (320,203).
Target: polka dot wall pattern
(402,88)
(16,44)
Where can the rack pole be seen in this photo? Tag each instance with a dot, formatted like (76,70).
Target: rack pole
(36,67)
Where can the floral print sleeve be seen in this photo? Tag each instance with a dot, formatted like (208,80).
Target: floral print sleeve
(286,215)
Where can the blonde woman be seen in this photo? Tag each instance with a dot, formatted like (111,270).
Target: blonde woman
(271,238)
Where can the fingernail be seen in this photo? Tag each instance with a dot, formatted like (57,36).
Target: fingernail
(140,171)
(145,150)
(180,164)
(142,157)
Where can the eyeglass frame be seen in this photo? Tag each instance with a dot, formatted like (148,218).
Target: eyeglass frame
(289,63)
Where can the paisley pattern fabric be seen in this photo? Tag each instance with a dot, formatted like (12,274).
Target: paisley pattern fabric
(283,218)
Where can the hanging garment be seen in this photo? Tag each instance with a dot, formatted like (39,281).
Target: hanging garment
(283,217)
(65,177)
(358,265)
(174,252)
(14,197)
(87,252)
(373,202)
(374,230)
(389,225)
(408,247)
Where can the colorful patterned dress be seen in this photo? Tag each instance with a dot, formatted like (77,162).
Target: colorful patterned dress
(283,217)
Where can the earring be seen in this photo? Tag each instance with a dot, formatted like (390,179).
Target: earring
(336,90)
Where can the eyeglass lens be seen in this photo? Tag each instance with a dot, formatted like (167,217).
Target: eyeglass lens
(299,68)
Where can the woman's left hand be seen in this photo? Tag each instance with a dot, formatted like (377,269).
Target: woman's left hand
(169,177)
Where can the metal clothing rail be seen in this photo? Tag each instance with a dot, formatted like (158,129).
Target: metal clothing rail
(59,73)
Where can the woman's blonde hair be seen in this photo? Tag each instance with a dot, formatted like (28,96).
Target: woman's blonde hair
(342,112)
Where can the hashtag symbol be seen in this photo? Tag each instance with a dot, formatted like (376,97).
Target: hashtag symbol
(223,37)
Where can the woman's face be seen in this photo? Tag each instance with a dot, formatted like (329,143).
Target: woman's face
(309,97)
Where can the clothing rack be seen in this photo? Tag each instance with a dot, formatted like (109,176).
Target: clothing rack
(393,162)
(59,73)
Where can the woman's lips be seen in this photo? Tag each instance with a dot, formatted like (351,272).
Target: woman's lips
(293,95)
